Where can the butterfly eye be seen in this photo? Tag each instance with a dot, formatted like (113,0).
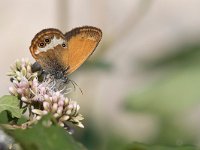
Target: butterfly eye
(47,41)
(41,45)
(63,45)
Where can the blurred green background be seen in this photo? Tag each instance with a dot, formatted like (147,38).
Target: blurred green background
(141,85)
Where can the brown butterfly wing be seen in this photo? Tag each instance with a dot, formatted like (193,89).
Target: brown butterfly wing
(81,43)
(49,57)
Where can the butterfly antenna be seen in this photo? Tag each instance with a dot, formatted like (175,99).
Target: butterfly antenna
(75,84)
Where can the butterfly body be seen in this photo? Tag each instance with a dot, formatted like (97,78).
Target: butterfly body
(60,54)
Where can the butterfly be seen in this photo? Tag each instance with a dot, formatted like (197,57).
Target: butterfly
(61,54)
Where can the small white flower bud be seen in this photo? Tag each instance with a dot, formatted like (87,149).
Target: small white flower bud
(60,109)
(56,115)
(79,124)
(38,117)
(29,69)
(55,107)
(61,124)
(37,111)
(19,78)
(18,73)
(79,117)
(64,118)
(24,99)
(54,98)
(74,119)
(23,71)
(68,112)
(44,112)
(66,101)
(46,105)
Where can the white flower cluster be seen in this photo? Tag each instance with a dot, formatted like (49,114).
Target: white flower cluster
(40,96)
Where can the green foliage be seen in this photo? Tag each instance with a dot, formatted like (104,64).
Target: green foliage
(183,56)
(11,104)
(139,146)
(41,137)
(174,93)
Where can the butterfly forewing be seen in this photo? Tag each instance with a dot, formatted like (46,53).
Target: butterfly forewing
(81,42)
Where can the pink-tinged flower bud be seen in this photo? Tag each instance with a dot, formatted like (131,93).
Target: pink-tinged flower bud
(43,90)
(54,98)
(20,91)
(61,103)
(15,83)
(62,98)
(35,82)
(60,109)
(46,105)
(12,90)
(58,94)
(70,106)
(46,97)
(64,118)
(54,107)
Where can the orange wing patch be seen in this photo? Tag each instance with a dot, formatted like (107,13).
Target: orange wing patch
(81,43)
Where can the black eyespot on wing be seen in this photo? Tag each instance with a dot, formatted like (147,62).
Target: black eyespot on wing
(63,45)
(47,40)
(42,44)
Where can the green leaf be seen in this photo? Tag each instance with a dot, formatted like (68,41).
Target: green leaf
(4,117)
(41,137)
(11,104)
(174,93)
(139,146)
